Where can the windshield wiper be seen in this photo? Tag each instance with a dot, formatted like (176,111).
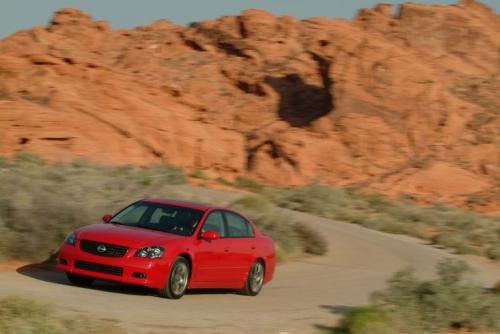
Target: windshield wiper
(151,228)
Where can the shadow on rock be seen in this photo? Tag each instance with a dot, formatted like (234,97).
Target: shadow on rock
(300,103)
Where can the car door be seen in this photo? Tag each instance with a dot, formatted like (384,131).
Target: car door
(212,255)
(240,235)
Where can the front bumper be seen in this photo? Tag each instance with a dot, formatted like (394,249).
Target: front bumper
(133,270)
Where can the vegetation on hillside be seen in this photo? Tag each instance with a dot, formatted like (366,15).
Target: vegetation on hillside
(412,305)
(463,231)
(41,203)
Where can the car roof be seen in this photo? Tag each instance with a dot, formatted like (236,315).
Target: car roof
(184,204)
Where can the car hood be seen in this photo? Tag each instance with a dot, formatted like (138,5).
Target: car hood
(132,237)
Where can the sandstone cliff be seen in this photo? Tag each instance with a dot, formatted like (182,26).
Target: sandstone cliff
(402,100)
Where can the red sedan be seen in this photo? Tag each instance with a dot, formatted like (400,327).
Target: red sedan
(171,246)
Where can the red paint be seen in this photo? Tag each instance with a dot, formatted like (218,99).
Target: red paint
(106,218)
(210,235)
(216,261)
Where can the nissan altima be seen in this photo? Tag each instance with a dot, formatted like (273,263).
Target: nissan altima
(171,246)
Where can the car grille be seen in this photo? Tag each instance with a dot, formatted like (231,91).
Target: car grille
(101,268)
(110,250)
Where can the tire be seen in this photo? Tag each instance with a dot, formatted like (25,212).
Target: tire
(255,279)
(178,279)
(79,280)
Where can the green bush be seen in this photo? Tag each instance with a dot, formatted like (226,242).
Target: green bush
(25,316)
(435,306)
(366,320)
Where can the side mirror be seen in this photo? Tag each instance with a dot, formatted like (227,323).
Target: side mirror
(106,218)
(210,235)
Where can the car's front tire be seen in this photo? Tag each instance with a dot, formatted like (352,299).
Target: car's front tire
(79,280)
(255,279)
(177,281)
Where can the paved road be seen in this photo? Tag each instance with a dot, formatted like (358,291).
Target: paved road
(306,294)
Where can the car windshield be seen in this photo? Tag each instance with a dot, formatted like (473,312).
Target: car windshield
(159,217)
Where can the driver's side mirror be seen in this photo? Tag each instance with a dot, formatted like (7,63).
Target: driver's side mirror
(210,235)
(106,218)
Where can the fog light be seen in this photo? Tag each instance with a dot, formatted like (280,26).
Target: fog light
(62,261)
(139,275)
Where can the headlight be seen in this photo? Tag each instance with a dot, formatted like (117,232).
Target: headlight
(152,252)
(70,239)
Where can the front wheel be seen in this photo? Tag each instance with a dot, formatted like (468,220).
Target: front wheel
(79,280)
(177,281)
(255,279)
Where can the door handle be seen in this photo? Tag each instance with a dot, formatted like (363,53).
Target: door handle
(253,247)
(226,250)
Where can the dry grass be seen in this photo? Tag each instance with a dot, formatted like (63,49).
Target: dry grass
(461,230)
(26,316)
(40,204)
(411,305)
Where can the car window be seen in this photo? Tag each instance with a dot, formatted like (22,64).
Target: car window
(214,222)
(131,215)
(237,226)
(161,217)
(162,213)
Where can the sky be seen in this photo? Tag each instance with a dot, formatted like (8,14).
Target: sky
(20,14)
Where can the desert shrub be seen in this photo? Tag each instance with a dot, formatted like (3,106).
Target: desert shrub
(29,158)
(496,288)
(454,240)
(435,306)
(317,199)
(168,174)
(25,316)
(494,252)
(248,184)
(461,230)
(199,174)
(3,162)
(253,203)
(288,234)
(366,320)
(40,203)
(280,227)
(224,181)
(312,242)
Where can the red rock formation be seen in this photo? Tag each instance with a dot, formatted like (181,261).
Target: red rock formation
(401,103)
